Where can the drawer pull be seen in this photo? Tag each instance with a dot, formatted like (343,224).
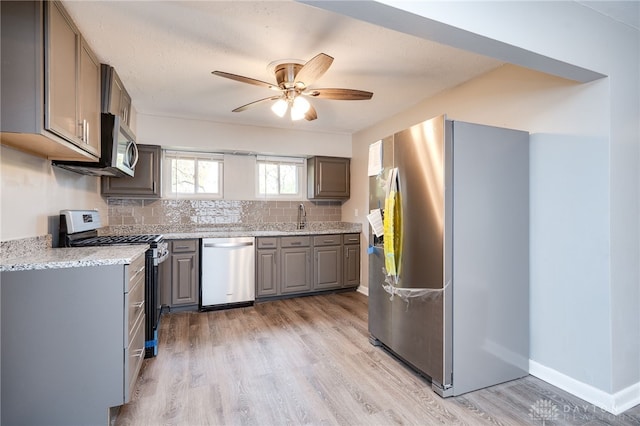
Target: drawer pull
(138,353)
(296,243)
(181,247)
(138,305)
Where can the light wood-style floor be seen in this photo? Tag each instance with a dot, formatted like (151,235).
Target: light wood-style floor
(308,361)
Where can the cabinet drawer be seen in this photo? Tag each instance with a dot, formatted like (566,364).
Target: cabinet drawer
(327,240)
(267,243)
(184,246)
(136,272)
(295,241)
(351,238)
(135,305)
(134,355)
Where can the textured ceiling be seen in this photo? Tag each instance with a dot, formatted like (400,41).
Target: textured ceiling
(165,51)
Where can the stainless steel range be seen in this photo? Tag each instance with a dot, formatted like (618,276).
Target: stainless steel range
(79,228)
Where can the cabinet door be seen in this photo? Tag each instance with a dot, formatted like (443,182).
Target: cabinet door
(267,273)
(184,284)
(62,71)
(146,179)
(125,107)
(327,267)
(351,265)
(295,270)
(89,105)
(119,99)
(328,178)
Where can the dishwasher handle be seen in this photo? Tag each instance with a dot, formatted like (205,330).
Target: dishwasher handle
(227,245)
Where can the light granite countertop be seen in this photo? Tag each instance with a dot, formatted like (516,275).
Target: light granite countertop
(73,257)
(36,252)
(176,232)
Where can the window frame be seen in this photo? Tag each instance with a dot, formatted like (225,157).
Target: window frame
(169,155)
(300,164)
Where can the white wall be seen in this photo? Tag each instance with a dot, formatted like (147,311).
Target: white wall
(585,245)
(33,192)
(212,136)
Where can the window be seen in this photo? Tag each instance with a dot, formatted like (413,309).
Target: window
(193,174)
(280,177)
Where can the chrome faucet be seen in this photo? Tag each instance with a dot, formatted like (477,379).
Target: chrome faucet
(302,217)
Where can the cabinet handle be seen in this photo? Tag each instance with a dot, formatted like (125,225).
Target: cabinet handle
(84,136)
(181,247)
(347,254)
(138,353)
(329,241)
(88,128)
(296,243)
(138,305)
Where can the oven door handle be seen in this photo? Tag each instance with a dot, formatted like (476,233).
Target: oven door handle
(158,260)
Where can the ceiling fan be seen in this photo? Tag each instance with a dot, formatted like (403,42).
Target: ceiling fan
(293,81)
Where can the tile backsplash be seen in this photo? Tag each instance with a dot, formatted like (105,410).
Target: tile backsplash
(127,211)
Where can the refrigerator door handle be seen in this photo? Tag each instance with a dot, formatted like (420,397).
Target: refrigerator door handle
(392,224)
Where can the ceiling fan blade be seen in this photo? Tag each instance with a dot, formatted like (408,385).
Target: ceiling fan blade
(251,104)
(311,114)
(339,94)
(313,69)
(247,80)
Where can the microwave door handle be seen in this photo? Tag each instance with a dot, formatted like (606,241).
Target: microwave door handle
(135,153)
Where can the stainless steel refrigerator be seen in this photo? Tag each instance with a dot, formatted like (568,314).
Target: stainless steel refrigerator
(457,308)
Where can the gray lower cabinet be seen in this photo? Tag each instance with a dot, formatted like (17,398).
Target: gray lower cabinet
(351,269)
(267,267)
(72,342)
(180,275)
(295,264)
(327,254)
(300,265)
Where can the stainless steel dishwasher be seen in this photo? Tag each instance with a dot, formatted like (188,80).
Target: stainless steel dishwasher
(228,272)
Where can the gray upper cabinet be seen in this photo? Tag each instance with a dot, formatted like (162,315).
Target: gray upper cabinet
(147,179)
(116,99)
(50,83)
(328,178)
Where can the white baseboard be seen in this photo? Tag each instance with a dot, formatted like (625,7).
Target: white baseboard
(616,403)
(363,290)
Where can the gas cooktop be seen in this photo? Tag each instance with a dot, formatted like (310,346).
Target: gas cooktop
(109,240)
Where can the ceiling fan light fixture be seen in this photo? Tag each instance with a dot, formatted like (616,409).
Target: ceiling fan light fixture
(279,108)
(300,104)
(299,108)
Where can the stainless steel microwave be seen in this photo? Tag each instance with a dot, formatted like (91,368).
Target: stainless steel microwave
(119,153)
